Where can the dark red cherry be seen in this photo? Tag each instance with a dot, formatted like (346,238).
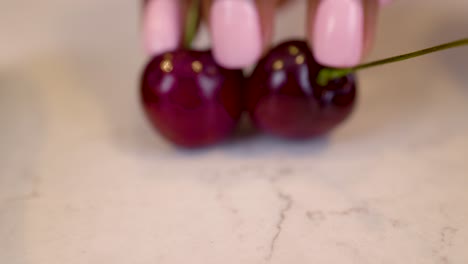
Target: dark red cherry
(191,100)
(284,99)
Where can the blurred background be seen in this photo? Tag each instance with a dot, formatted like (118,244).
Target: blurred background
(84,179)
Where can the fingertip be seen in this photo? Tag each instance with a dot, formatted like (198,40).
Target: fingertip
(161,26)
(235,32)
(337,34)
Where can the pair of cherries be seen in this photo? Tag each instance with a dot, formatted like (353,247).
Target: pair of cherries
(194,102)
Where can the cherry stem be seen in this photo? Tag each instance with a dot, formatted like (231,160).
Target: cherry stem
(328,74)
(192,22)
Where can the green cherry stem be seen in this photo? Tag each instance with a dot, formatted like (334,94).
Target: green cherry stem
(328,74)
(192,22)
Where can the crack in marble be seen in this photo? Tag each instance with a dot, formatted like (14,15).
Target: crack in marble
(396,223)
(320,215)
(225,204)
(316,216)
(30,195)
(288,203)
(220,197)
(444,260)
(446,235)
(216,179)
(351,211)
(280,173)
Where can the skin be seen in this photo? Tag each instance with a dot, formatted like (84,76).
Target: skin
(266,11)
(267,8)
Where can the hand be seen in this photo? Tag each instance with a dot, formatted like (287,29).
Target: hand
(340,31)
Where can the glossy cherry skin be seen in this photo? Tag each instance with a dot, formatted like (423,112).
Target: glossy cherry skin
(191,100)
(284,99)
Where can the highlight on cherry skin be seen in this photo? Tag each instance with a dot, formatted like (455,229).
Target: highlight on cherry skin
(283,98)
(189,99)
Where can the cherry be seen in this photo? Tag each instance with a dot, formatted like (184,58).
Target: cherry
(284,99)
(191,100)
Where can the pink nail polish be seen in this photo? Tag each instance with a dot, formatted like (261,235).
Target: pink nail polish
(161,26)
(338,33)
(235,33)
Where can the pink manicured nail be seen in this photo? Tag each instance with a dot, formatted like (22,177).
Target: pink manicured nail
(235,32)
(338,33)
(161,26)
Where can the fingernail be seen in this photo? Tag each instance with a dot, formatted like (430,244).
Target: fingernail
(235,33)
(338,33)
(161,26)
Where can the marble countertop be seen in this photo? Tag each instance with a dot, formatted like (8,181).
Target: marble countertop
(83,179)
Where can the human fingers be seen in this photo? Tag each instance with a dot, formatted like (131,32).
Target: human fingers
(163,24)
(342,31)
(240,30)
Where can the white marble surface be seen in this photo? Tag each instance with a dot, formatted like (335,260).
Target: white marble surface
(84,180)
